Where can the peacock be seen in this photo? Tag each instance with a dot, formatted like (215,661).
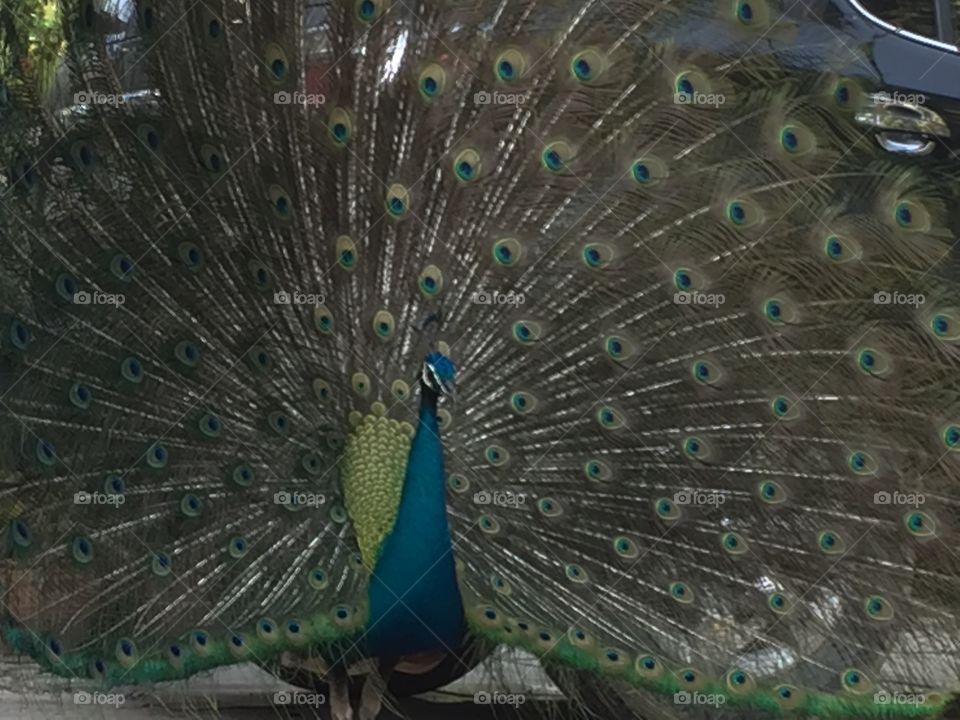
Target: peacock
(393,336)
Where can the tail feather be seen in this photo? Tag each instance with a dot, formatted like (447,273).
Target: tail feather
(704,434)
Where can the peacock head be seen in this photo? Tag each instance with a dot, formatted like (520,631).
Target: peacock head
(438,374)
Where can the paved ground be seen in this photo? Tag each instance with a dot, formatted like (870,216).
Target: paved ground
(248,693)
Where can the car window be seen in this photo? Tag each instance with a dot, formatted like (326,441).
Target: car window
(917,16)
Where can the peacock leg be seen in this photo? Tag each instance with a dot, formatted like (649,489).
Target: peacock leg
(339,680)
(315,665)
(374,688)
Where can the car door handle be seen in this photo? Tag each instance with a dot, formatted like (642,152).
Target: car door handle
(904,144)
(905,125)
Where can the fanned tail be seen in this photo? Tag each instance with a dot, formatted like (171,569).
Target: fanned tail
(704,440)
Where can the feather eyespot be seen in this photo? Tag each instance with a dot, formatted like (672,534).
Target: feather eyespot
(609,418)
(131,370)
(556,156)
(841,94)
(122,267)
(160,564)
(647,171)
(920,524)
(526,331)
(507,252)
(369,10)
(242,475)
(743,213)
(586,66)
(237,644)
(293,629)
(951,437)
(21,533)
(279,422)
(267,630)
(187,354)
(878,608)
(705,373)
(340,126)
(431,281)
(779,603)
(467,165)
(733,543)
(855,681)
(681,592)
(597,470)
(771,492)
(873,362)
(46,452)
(68,288)
(190,255)
(625,547)
(157,456)
(694,448)
(667,509)
(489,524)
(830,542)
(597,255)
(20,335)
(510,65)
(834,248)
(126,652)
(323,319)
(575,573)
(80,396)
(684,86)
(82,549)
(237,547)
(210,425)
(862,463)
(945,325)
(432,81)
(549,507)
(458,483)
(397,201)
(783,408)
(384,325)
(496,455)
(788,696)
(648,666)
(191,506)
(740,681)
(523,403)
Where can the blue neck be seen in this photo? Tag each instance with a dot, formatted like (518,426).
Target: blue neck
(416,561)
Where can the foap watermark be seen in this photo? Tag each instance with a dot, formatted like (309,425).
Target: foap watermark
(698,698)
(98,498)
(492,297)
(502,499)
(899,98)
(898,298)
(299,98)
(297,298)
(82,697)
(696,497)
(898,498)
(98,298)
(499,98)
(699,298)
(98,98)
(299,499)
(699,98)
(295,697)
(882,697)
(483,697)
